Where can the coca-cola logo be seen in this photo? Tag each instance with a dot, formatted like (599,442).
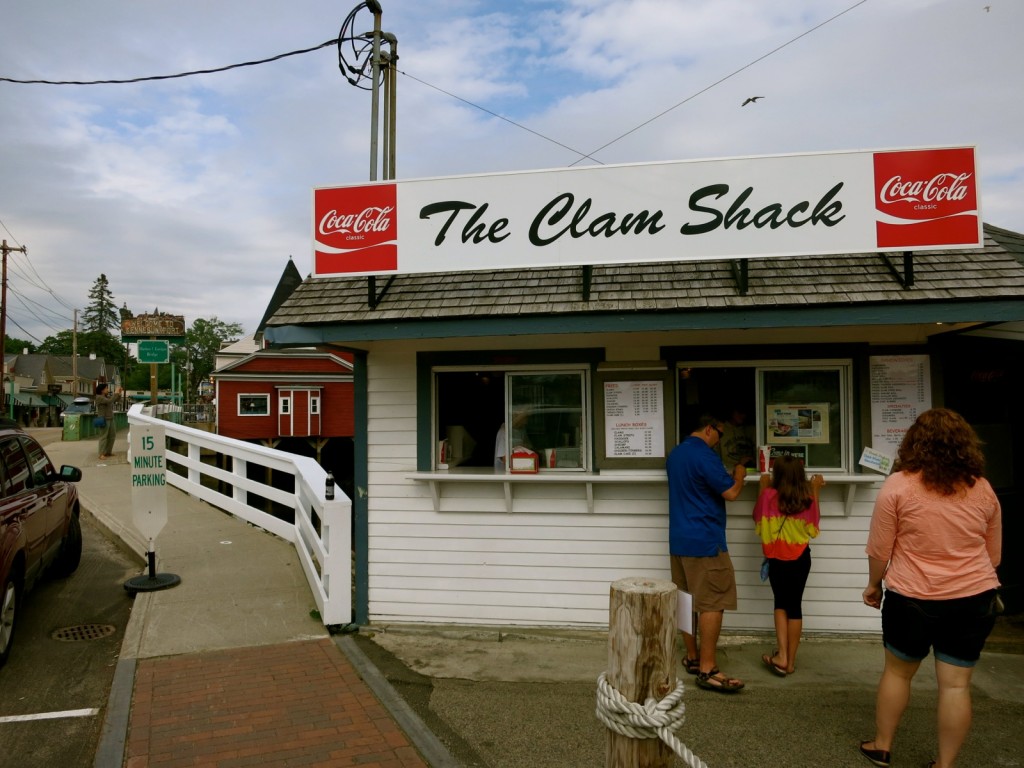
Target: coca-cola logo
(367,220)
(356,229)
(926,197)
(942,186)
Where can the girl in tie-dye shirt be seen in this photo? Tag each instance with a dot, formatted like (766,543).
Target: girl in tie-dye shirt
(786,518)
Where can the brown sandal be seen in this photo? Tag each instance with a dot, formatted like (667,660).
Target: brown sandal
(716,681)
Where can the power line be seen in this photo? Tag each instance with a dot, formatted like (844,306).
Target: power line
(720,81)
(583,155)
(191,73)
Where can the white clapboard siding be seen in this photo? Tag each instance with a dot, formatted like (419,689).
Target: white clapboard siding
(551,561)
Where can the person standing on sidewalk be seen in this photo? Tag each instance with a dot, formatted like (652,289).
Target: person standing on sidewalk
(105,409)
(698,487)
(936,539)
(786,518)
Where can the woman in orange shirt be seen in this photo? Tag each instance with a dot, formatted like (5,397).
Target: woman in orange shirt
(786,518)
(936,540)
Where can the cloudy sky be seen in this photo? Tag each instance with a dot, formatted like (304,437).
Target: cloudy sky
(191,194)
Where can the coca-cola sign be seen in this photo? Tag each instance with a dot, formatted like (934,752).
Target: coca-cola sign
(356,230)
(926,197)
(760,207)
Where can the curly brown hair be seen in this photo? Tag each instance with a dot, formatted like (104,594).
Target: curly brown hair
(790,482)
(945,449)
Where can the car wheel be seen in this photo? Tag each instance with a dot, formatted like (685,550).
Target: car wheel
(70,549)
(8,613)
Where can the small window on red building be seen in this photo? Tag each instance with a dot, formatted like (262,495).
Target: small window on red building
(253,405)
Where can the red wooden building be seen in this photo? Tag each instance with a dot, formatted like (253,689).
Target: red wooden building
(274,395)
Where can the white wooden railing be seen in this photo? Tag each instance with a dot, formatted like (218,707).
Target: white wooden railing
(322,532)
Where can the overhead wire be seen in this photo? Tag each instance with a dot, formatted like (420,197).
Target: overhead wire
(721,80)
(360,44)
(190,73)
(16,270)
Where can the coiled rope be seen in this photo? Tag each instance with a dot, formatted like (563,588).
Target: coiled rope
(651,720)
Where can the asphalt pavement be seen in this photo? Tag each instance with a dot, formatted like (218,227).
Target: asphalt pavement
(232,668)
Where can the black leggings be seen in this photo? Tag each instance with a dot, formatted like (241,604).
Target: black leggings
(788,579)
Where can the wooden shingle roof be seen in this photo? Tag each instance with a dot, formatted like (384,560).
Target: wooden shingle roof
(991,273)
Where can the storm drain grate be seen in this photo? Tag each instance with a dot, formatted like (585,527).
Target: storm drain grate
(83,632)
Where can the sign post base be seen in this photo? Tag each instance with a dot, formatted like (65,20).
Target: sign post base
(153,581)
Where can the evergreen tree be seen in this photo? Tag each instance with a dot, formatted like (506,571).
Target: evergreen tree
(101,315)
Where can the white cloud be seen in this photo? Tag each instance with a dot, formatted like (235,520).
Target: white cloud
(191,193)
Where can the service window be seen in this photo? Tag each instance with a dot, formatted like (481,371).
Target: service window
(482,416)
(253,405)
(802,408)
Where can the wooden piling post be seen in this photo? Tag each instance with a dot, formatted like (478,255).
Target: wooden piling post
(641,660)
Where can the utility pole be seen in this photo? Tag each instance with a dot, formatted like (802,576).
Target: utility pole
(74,356)
(5,249)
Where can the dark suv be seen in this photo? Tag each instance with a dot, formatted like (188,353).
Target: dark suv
(39,525)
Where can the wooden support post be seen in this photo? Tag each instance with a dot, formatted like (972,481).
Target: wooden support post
(641,660)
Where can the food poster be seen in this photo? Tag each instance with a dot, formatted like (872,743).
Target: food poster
(797,423)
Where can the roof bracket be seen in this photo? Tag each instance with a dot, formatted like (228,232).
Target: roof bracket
(906,277)
(372,297)
(588,274)
(739,274)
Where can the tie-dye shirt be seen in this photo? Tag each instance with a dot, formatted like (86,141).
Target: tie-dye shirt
(784,537)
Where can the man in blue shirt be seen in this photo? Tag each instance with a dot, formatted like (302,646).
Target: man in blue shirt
(698,487)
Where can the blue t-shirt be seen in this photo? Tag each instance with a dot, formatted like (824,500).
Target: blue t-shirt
(696,509)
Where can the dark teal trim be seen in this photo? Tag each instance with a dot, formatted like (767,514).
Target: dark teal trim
(361,480)
(892,313)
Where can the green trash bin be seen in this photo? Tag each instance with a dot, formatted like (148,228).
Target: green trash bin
(72,426)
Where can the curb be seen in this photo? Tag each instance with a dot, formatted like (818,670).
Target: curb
(433,751)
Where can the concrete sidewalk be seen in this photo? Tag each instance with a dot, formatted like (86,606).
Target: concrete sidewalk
(231,669)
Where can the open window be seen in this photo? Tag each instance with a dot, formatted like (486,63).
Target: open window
(485,415)
(800,407)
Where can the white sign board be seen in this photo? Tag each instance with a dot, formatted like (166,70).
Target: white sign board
(901,390)
(782,205)
(634,419)
(149,479)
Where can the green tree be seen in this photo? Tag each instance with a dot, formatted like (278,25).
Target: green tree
(100,343)
(101,315)
(202,343)
(13,346)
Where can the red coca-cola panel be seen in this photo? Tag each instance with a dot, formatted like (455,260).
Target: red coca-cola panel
(356,229)
(926,197)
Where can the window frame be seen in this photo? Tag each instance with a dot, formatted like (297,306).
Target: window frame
(254,396)
(581,369)
(845,369)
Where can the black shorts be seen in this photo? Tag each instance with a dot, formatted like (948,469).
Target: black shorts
(956,628)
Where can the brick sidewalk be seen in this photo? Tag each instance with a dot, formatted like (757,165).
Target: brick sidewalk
(292,704)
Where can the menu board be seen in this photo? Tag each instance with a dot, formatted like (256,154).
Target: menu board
(634,419)
(900,391)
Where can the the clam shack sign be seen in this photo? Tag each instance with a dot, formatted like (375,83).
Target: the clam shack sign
(782,205)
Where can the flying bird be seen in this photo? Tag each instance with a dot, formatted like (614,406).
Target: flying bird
(751,100)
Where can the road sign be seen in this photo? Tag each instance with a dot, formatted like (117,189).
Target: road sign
(149,479)
(154,351)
